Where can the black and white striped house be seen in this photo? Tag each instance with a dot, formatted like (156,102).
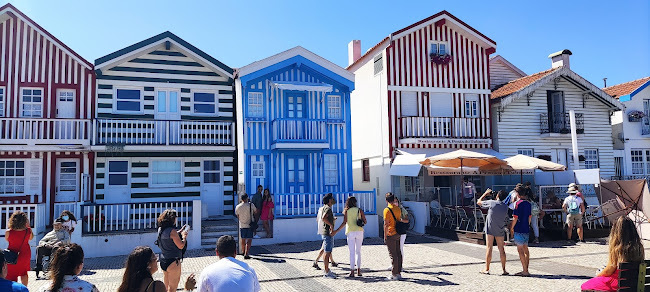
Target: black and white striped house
(165,126)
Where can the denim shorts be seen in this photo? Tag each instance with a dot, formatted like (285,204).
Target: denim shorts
(521,238)
(246,233)
(328,243)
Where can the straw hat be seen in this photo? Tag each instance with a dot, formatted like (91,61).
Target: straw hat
(573,188)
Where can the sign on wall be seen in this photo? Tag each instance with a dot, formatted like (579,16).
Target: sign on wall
(444,141)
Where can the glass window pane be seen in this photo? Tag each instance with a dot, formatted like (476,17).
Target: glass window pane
(203,97)
(19,164)
(210,178)
(204,108)
(172,165)
(118,166)
(166,178)
(209,165)
(128,94)
(162,101)
(173,102)
(117,179)
(443,49)
(128,105)
(434,49)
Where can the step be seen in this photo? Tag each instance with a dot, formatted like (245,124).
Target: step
(205,235)
(217,228)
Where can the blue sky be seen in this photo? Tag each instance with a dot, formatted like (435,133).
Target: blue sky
(608,38)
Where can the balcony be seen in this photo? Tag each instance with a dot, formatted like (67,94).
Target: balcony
(560,123)
(447,130)
(35,131)
(287,133)
(160,132)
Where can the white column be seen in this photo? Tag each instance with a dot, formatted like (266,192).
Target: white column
(574,140)
(85,187)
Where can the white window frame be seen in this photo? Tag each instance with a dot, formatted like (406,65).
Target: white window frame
(204,172)
(4,177)
(152,173)
(22,102)
(471,106)
(331,170)
(107,179)
(3,100)
(526,151)
(255,110)
(257,170)
(216,103)
(589,160)
(141,101)
(332,106)
(438,43)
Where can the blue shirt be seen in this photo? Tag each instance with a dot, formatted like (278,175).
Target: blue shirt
(522,212)
(9,286)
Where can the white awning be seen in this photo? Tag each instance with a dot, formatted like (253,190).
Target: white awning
(302,86)
(436,151)
(406,165)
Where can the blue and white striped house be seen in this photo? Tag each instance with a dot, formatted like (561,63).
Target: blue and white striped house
(294,116)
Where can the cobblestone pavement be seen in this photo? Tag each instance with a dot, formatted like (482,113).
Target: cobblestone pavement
(430,264)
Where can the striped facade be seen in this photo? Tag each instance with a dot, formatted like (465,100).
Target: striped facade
(184,117)
(264,134)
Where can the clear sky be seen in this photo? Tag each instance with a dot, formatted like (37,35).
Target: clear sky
(608,38)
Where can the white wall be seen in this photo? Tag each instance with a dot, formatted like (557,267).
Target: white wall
(632,130)
(500,73)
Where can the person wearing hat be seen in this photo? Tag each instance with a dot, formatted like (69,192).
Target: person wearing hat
(573,206)
(49,243)
(245,214)
(6,285)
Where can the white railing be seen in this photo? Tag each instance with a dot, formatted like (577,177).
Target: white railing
(307,205)
(60,207)
(102,218)
(35,212)
(645,126)
(157,132)
(297,130)
(25,131)
(423,127)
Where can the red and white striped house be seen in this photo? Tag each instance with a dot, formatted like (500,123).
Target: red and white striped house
(422,90)
(46,105)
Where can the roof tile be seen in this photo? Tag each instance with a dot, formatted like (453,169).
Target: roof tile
(625,88)
(519,84)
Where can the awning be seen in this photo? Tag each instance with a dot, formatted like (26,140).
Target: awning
(406,165)
(436,151)
(408,162)
(302,86)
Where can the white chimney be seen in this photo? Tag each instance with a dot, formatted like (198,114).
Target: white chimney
(354,51)
(560,58)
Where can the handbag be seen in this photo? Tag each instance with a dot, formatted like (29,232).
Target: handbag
(11,257)
(359,219)
(253,225)
(400,227)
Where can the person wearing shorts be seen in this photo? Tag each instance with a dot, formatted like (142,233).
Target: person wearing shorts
(495,225)
(328,234)
(574,207)
(245,214)
(520,227)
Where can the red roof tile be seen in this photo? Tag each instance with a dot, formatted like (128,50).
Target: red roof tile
(625,88)
(519,84)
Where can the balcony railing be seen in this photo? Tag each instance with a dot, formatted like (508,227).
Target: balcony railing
(299,131)
(105,218)
(560,123)
(35,131)
(645,126)
(157,132)
(306,205)
(443,127)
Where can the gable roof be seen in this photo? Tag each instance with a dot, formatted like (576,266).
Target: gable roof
(499,58)
(442,15)
(521,87)
(140,47)
(294,55)
(8,10)
(625,91)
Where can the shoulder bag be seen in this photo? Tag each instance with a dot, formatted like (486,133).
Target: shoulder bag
(11,257)
(400,227)
(253,225)
(359,219)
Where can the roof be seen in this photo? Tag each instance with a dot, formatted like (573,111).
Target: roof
(295,55)
(521,87)
(9,10)
(156,40)
(627,88)
(507,63)
(424,22)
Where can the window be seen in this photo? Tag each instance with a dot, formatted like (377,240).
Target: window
(166,173)
(334,107)
(211,171)
(646,111)
(411,184)
(331,169)
(365,168)
(2,101)
(409,104)
(640,161)
(439,48)
(257,169)
(205,103)
(471,106)
(255,105)
(66,95)
(12,177)
(527,152)
(32,103)
(379,63)
(591,159)
(441,104)
(118,173)
(128,100)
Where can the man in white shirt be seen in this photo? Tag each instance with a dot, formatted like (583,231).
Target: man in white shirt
(245,212)
(228,274)
(574,207)
(321,231)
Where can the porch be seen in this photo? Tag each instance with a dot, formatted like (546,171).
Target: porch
(310,133)
(30,131)
(163,132)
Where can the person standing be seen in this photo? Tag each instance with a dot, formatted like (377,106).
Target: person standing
(469,191)
(257,201)
(574,207)
(18,236)
(6,285)
(228,274)
(67,263)
(495,224)
(328,235)
(392,215)
(352,216)
(520,227)
(320,232)
(245,212)
(267,213)
(51,241)
(141,264)
(171,246)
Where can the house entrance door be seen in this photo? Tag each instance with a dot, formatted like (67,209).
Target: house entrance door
(67,180)
(212,187)
(297,174)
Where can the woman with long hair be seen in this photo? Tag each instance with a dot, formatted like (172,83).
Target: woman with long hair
(354,233)
(624,246)
(18,235)
(267,213)
(171,245)
(69,221)
(67,263)
(141,264)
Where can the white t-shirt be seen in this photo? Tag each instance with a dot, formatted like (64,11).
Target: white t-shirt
(321,226)
(244,212)
(228,274)
(573,198)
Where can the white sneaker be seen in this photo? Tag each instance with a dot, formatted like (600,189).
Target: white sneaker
(392,278)
(256,236)
(329,275)
(390,267)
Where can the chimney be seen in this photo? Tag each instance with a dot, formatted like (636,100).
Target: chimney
(354,51)
(560,58)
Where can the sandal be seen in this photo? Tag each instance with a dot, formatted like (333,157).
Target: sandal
(359,272)
(315,265)
(521,274)
(505,274)
(351,275)
(485,272)
(335,264)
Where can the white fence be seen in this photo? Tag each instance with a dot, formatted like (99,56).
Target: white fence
(29,131)
(35,212)
(158,132)
(102,218)
(420,127)
(296,130)
(307,205)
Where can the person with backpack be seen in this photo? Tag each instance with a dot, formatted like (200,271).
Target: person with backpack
(394,227)
(574,207)
(245,213)
(353,219)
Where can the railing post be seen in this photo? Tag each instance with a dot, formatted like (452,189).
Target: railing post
(166,132)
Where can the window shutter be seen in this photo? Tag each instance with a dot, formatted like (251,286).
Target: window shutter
(441,105)
(409,104)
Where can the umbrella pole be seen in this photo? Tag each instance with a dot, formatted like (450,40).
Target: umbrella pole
(521,176)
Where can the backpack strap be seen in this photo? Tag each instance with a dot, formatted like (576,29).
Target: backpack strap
(391,211)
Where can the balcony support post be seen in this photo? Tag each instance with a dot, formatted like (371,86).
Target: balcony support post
(574,140)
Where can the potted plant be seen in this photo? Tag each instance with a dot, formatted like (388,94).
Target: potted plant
(440,59)
(93,223)
(635,116)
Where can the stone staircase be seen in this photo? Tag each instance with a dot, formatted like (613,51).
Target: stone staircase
(214,227)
